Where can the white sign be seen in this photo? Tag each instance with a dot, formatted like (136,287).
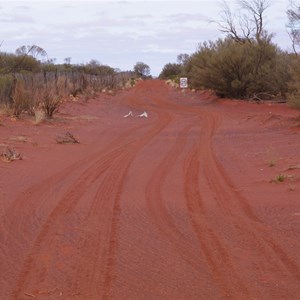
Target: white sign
(183,82)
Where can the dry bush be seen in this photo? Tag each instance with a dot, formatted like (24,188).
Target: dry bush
(293,95)
(6,85)
(50,100)
(39,115)
(10,155)
(25,92)
(39,94)
(51,96)
(293,100)
(172,83)
(5,110)
(21,99)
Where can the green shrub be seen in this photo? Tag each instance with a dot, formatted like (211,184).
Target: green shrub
(238,69)
(171,71)
(280,178)
(293,97)
(293,100)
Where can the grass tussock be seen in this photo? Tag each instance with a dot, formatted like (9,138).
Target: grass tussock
(10,154)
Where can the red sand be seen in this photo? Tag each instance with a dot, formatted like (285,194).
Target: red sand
(175,206)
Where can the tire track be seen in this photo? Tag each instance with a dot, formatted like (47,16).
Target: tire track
(217,257)
(241,212)
(43,190)
(156,203)
(56,219)
(110,170)
(236,213)
(26,219)
(75,244)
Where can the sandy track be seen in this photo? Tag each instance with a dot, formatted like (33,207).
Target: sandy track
(153,214)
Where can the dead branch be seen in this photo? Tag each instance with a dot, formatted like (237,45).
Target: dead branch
(29,295)
(290,168)
(68,138)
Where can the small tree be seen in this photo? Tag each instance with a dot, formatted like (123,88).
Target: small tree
(293,14)
(32,50)
(141,69)
(293,97)
(171,71)
(239,70)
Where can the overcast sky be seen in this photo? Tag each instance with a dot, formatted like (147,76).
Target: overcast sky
(120,33)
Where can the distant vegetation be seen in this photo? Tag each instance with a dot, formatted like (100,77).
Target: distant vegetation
(245,63)
(33,84)
(142,70)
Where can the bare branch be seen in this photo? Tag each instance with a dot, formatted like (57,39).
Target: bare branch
(248,25)
(256,8)
(245,25)
(293,14)
(227,24)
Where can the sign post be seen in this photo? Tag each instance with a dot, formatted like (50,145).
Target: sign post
(183,83)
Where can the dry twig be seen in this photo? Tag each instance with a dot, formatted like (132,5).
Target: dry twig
(68,138)
(29,295)
(10,155)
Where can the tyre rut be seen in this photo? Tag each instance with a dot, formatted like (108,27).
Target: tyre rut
(110,170)
(245,227)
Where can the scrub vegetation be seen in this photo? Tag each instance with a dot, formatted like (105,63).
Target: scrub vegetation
(245,64)
(31,83)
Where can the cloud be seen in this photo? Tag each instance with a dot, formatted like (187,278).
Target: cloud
(23,7)
(117,33)
(139,17)
(16,18)
(184,17)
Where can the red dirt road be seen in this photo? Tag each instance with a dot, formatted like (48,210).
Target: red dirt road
(175,206)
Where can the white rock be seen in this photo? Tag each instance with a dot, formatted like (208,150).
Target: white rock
(144,115)
(130,114)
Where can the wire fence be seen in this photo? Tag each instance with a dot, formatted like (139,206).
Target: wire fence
(25,91)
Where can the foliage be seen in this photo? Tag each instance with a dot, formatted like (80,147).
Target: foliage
(6,85)
(95,68)
(32,50)
(11,63)
(280,178)
(45,91)
(244,64)
(293,96)
(238,70)
(141,69)
(37,87)
(171,71)
(182,59)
